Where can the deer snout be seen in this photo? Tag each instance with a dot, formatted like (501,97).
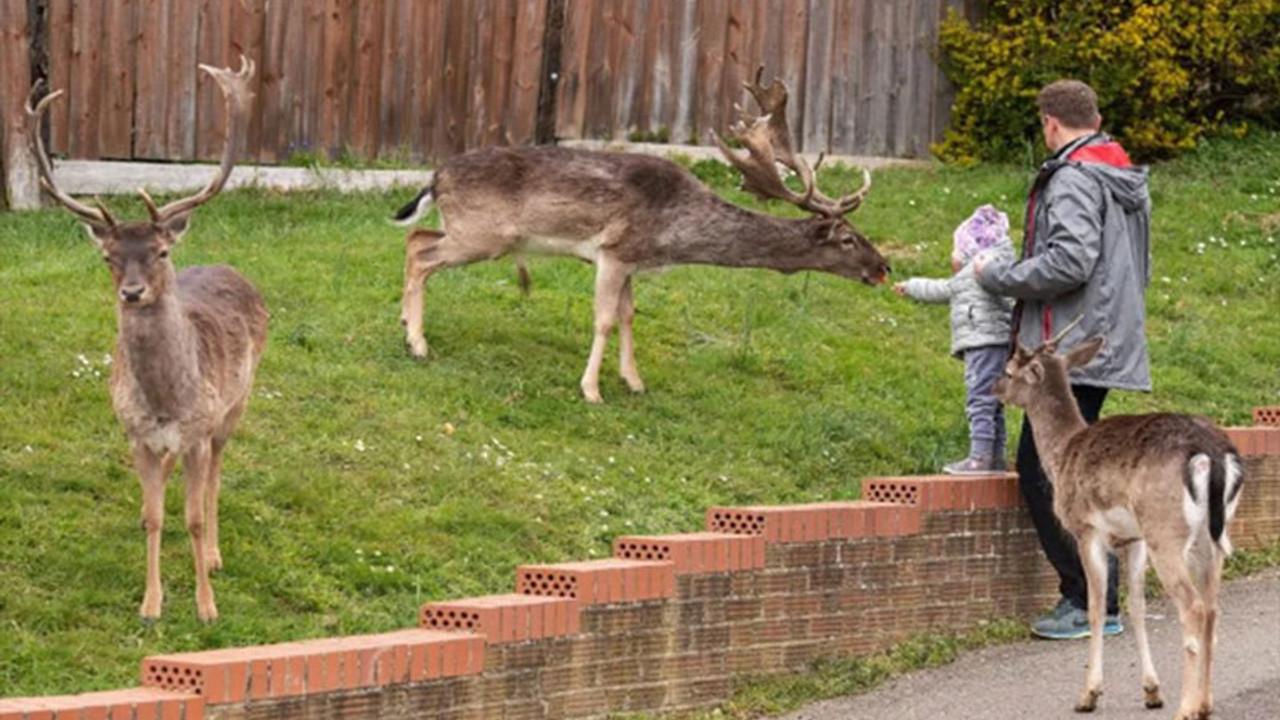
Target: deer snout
(132,294)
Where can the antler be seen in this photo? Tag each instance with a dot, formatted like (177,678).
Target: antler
(99,215)
(768,142)
(238,96)
(1052,343)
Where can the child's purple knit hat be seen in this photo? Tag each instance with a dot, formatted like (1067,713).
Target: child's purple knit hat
(986,227)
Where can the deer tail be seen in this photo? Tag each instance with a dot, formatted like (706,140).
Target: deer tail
(415,208)
(1212,489)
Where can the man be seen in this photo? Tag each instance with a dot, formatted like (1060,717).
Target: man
(1086,254)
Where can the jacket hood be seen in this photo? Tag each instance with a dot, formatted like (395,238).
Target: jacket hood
(1128,185)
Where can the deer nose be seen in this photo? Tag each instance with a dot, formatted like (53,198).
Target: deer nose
(132,294)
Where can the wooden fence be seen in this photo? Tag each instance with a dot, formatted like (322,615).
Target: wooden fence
(423,79)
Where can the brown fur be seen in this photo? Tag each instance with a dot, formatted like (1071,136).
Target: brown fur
(1124,482)
(624,213)
(186,352)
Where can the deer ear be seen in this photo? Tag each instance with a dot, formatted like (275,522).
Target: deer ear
(1034,372)
(175,226)
(1083,354)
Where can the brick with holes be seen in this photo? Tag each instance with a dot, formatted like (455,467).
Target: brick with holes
(704,552)
(942,492)
(502,618)
(1267,416)
(599,582)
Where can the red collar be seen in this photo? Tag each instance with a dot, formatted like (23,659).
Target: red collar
(1107,153)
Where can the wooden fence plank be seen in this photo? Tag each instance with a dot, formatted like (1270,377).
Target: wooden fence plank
(339,24)
(795,24)
(180,78)
(739,64)
(656,91)
(84,96)
(115,121)
(846,68)
(522,113)
(684,59)
(877,74)
(498,71)
(60,25)
(211,49)
(452,123)
(151,92)
(246,36)
(713,21)
(571,105)
(396,79)
(429,43)
(18,185)
(815,135)
(366,81)
(600,72)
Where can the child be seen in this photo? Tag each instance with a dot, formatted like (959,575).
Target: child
(980,327)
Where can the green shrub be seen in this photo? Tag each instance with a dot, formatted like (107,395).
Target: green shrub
(1166,71)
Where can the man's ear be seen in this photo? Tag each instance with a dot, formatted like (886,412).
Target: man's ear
(1083,354)
(96,233)
(175,226)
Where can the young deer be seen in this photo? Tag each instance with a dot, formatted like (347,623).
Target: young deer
(626,213)
(1159,484)
(188,347)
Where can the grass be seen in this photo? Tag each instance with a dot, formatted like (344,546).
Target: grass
(362,483)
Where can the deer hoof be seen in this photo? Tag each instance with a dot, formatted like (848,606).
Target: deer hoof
(1153,699)
(417,348)
(636,385)
(592,396)
(1088,701)
(213,559)
(207,614)
(150,610)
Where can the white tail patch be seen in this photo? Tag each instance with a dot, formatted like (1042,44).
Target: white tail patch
(1195,499)
(1234,476)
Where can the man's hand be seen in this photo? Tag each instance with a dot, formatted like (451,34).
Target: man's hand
(979,262)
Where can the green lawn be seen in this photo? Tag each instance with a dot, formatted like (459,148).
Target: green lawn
(346,503)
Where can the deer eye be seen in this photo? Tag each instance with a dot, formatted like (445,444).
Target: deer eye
(163,254)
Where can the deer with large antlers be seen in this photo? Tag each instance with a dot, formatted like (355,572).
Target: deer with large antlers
(1157,485)
(625,213)
(187,350)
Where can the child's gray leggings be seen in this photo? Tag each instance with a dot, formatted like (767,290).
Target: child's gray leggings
(982,367)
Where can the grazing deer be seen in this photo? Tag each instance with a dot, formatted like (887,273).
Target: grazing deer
(188,347)
(1160,484)
(626,213)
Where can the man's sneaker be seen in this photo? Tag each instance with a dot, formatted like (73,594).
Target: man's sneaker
(1068,622)
(975,466)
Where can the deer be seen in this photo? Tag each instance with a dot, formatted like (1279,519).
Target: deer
(1161,486)
(626,213)
(187,348)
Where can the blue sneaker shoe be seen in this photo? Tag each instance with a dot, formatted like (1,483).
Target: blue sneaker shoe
(1068,622)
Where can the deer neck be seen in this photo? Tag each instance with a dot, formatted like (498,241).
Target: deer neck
(157,354)
(730,236)
(1055,419)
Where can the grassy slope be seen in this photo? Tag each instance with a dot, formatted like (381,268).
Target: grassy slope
(762,388)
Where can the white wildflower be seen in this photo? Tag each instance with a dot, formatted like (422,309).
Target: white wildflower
(359,446)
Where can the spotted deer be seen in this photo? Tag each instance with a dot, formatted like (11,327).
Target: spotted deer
(626,213)
(187,348)
(1159,485)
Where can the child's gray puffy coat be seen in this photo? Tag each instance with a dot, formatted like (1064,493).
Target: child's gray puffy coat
(978,318)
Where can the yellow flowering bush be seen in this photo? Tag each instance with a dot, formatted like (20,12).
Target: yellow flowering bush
(1166,71)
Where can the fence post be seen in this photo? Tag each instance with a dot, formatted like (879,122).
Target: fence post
(20,180)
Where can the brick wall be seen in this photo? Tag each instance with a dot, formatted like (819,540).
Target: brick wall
(670,621)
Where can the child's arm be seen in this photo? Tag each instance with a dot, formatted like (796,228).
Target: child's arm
(926,290)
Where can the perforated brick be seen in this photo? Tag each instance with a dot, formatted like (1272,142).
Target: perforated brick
(945,492)
(599,582)
(705,552)
(780,523)
(1267,416)
(132,704)
(313,666)
(504,618)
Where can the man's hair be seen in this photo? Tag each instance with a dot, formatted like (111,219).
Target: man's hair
(1072,102)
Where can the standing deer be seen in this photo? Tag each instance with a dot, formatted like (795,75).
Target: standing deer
(1159,484)
(187,349)
(626,213)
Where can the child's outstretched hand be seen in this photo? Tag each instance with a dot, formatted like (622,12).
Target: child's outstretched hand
(900,288)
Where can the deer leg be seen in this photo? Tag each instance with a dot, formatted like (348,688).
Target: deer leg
(419,262)
(1171,566)
(197,462)
(153,471)
(212,554)
(1209,638)
(1137,562)
(1093,557)
(626,344)
(611,276)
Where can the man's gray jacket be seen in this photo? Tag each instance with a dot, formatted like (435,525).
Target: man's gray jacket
(1087,253)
